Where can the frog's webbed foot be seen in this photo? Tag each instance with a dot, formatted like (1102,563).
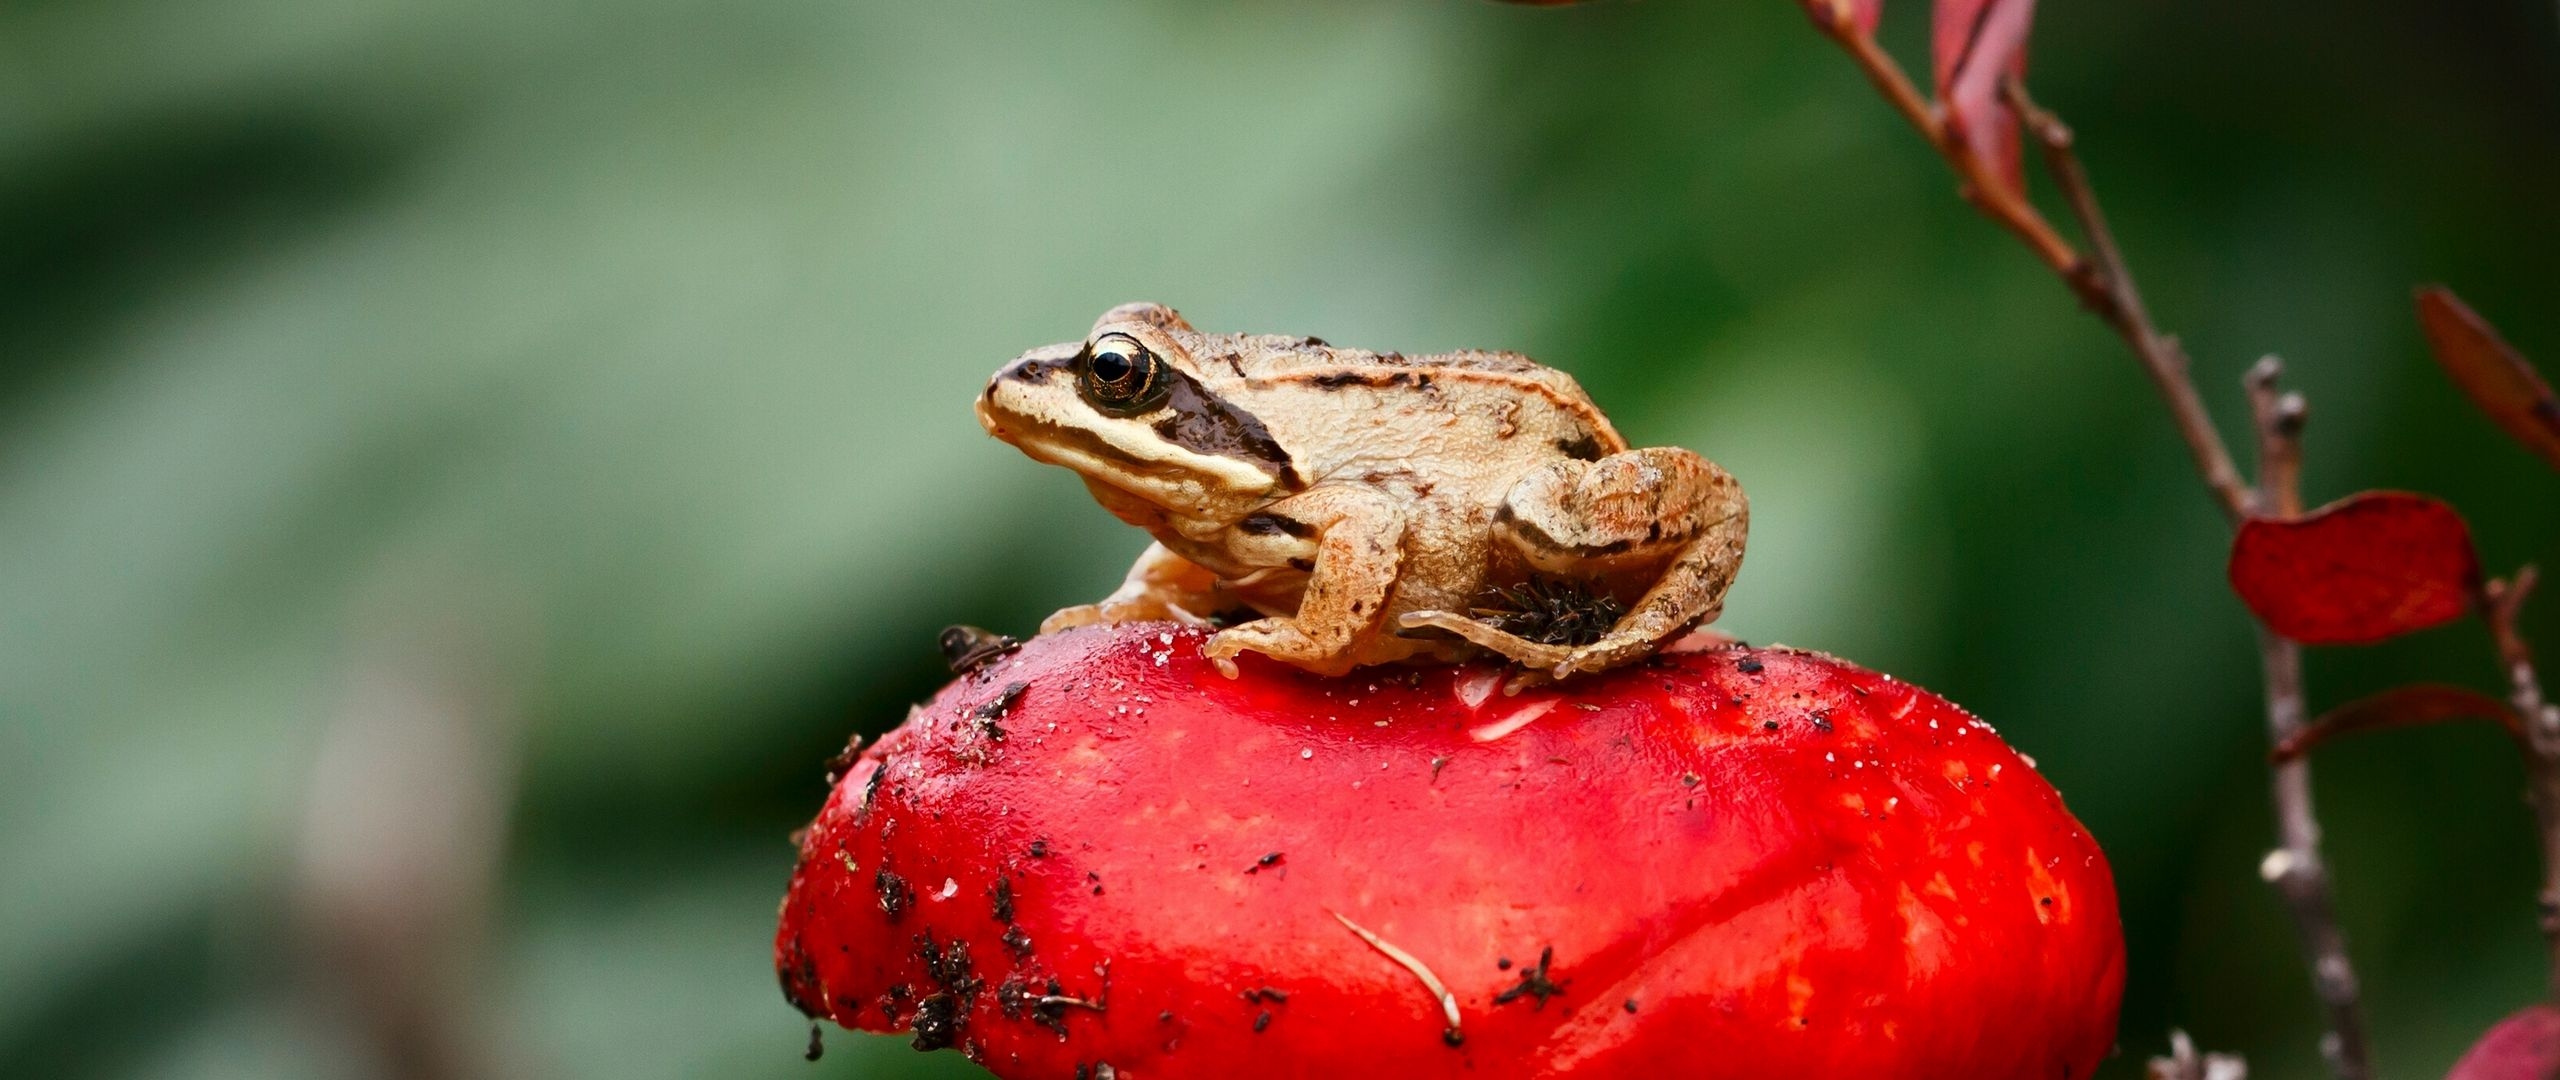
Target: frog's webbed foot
(1115,612)
(1162,587)
(1604,654)
(1281,639)
(1534,655)
(1538,660)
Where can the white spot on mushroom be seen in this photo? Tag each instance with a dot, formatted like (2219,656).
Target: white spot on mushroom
(1514,722)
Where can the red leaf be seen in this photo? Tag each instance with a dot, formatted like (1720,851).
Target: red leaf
(2365,568)
(1864,14)
(1734,864)
(2406,706)
(1975,44)
(2525,1046)
(2498,378)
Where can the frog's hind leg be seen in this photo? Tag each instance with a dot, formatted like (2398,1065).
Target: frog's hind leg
(1657,507)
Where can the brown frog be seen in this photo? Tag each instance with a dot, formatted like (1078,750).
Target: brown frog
(1363,503)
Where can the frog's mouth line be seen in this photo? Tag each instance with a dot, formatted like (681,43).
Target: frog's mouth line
(1181,488)
(1046,442)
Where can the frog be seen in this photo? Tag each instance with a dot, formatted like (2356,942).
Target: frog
(1337,508)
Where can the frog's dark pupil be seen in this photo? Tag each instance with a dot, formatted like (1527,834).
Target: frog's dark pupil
(1111,367)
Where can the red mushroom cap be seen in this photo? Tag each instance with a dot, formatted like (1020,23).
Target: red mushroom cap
(1733,862)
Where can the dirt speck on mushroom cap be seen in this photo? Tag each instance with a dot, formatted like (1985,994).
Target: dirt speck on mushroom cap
(1875,886)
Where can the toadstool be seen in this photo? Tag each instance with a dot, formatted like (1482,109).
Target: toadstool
(1095,856)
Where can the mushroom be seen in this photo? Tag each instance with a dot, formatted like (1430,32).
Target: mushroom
(1096,856)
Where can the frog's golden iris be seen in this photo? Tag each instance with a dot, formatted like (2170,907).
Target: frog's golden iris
(1121,377)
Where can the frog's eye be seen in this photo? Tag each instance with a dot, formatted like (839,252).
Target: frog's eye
(1121,376)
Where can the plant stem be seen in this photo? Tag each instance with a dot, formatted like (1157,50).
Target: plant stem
(2296,868)
(2183,1063)
(2106,286)
(2503,604)
(1988,193)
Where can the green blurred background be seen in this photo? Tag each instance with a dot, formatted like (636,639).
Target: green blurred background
(464,466)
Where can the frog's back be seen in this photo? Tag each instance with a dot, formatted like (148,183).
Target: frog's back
(1390,407)
(1313,362)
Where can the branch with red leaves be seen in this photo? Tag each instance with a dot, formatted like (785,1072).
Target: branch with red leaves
(2296,868)
(2381,564)
(2369,567)
(1978,48)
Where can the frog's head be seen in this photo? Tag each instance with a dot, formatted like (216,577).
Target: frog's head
(1131,410)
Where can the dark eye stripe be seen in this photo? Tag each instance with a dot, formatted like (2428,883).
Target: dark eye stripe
(1204,423)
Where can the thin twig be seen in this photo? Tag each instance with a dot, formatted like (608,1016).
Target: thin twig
(2502,606)
(2102,282)
(2106,286)
(1988,193)
(2279,416)
(2296,868)
(2184,1063)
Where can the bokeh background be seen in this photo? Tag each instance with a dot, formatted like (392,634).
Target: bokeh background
(463,467)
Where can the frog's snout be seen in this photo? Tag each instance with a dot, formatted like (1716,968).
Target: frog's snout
(986,415)
(1015,388)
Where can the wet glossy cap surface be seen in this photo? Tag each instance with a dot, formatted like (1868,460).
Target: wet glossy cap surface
(1727,863)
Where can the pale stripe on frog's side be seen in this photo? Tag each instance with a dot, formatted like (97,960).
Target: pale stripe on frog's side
(1363,503)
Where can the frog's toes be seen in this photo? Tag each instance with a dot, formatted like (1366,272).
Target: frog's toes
(1525,679)
(1222,649)
(1274,638)
(1070,618)
(1599,656)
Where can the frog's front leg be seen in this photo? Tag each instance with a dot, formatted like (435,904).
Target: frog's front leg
(1162,585)
(1657,507)
(1359,549)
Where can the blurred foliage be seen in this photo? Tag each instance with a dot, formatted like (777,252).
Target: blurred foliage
(634,342)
